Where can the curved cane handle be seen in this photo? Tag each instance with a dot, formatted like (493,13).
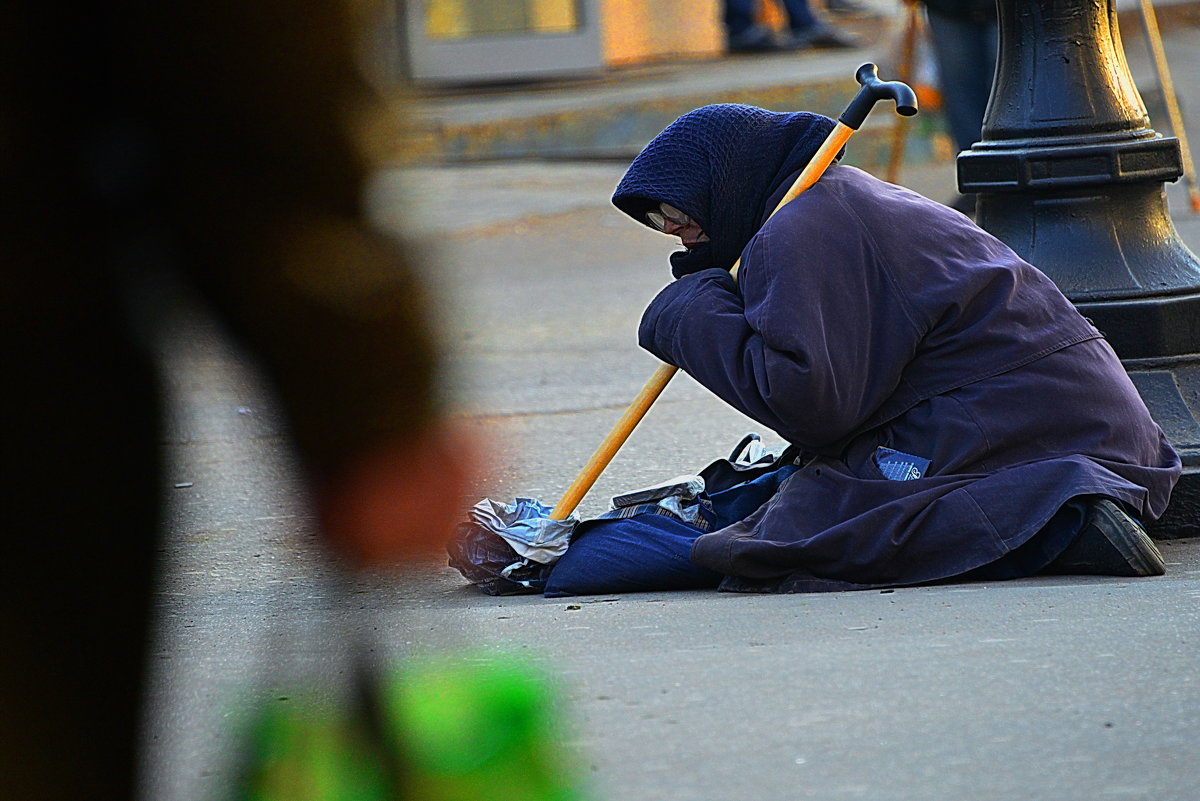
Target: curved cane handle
(871,92)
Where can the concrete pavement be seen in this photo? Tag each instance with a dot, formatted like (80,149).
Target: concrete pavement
(1050,688)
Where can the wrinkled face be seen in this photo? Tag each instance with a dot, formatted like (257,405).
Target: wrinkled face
(671,220)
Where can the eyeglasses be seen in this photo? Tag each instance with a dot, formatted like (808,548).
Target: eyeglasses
(667,214)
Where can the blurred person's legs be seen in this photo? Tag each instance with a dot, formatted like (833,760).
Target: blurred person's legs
(806,30)
(743,31)
(800,14)
(965,53)
(966,60)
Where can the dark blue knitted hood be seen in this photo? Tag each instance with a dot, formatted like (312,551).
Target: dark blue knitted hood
(720,164)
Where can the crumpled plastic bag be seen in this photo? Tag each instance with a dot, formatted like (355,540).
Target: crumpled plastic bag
(526,526)
(688,487)
(508,549)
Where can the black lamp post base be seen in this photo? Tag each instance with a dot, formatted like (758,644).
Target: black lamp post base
(1070,175)
(1171,389)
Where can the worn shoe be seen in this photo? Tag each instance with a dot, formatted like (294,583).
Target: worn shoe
(755,39)
(818,35)
(1111,544)
(846,7)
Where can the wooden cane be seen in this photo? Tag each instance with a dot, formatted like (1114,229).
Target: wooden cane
(1165,85)
(908,46)
(871,90)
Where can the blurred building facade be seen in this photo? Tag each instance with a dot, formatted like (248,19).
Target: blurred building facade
(481,41)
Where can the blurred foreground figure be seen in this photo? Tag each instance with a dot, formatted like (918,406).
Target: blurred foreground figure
(210,142)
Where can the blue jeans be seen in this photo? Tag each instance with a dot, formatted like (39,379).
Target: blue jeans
(636,554)
(739,15)
(652,551)
(966,55)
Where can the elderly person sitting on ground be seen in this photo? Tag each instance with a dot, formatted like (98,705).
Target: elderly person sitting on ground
(951,415)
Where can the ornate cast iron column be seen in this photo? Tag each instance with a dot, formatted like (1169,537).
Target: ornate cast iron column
(1070,175)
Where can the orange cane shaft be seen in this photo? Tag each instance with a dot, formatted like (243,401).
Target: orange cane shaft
(613,442)
(825,155)
(662,376)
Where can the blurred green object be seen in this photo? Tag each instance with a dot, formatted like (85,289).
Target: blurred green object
(479,728)
(309,751)
(459,727)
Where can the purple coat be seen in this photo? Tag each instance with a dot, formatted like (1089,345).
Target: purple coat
(867,316)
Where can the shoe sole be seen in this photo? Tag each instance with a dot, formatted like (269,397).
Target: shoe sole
(1136,546)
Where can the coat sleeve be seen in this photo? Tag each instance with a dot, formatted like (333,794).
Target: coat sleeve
(814,339)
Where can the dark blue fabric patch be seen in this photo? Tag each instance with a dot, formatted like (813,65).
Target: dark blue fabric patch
(737,503)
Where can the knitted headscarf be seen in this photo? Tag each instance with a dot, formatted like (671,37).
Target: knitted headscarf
(719,165)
